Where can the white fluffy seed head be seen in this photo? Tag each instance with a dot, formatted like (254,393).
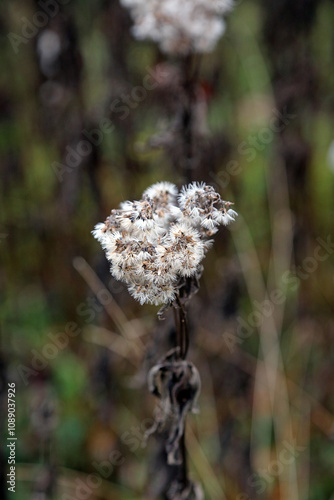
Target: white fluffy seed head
(154,242)
(162,192)
(179,27)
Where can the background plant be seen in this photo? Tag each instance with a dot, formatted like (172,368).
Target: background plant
(273,56)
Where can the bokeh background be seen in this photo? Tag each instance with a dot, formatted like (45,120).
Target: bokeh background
(76,344)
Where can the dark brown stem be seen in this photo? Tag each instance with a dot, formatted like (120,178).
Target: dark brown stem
(181,326)
(183,472)
(185,332)
(177,329)
(190,77)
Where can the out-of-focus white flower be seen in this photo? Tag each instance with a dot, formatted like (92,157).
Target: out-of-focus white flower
(179,27)
(161,239)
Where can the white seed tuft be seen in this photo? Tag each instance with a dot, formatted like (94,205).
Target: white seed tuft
(179,27)
(155,242)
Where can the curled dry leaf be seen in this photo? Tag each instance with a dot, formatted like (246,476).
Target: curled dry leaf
(176,382)
(180,491)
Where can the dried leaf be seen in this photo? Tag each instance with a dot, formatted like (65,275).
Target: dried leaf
(176,382)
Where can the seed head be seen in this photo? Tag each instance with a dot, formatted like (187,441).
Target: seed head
(179,27)
(161,239)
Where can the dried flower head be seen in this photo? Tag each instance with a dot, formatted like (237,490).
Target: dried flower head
(154,244)
(179,27)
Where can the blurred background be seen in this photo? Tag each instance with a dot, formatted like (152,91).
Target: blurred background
(90,117)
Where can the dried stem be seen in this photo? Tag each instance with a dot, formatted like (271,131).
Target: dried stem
(182,329)
(183,471)
(190,75)
(182,338)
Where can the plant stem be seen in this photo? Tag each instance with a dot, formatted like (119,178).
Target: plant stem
(182,329)
(183,472)
(182,336)
(190,76)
